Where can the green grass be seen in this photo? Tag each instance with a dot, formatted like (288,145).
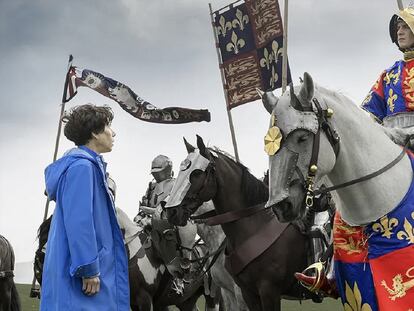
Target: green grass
(32,304)
(28,304)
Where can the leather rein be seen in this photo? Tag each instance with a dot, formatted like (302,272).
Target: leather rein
(333,138)
(211,218)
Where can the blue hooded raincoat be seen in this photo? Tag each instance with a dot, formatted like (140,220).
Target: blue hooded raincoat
(84,237)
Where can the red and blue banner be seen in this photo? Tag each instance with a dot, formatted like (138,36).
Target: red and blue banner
(250,40)
(374,264)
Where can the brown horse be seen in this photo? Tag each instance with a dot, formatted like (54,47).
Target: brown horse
(9,297)
(262,254)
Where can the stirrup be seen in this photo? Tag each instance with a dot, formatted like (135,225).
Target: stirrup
(318,283)
(313,283)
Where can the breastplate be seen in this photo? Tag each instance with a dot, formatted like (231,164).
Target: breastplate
(161,191)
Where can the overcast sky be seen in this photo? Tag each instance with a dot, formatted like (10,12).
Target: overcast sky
(164,50)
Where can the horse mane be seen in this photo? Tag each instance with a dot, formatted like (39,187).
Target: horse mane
(254,190)
(43,232)
(6,254)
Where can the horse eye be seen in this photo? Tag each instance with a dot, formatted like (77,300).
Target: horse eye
(303,138)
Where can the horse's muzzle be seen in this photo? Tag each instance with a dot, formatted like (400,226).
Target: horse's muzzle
(284,211)
(175,216)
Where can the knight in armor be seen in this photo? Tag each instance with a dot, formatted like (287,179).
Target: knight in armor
(391,103)
(158,190)
(151,207)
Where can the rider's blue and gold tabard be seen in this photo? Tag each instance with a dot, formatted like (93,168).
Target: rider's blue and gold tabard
(374,264)
(393,92)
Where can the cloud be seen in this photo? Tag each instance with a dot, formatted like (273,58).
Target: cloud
(164,50)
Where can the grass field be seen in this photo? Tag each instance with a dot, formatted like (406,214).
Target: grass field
(31,304)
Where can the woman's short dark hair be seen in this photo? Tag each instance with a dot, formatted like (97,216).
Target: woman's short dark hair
(82,121)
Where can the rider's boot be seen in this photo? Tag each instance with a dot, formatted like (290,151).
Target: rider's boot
(320,282)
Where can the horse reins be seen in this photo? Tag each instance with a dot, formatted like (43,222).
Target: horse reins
(211,218)
(333,139)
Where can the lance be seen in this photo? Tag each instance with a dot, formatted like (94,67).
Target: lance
(35,291)
(285,44)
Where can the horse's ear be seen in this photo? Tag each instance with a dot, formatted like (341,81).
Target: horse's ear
(202,147)
(306,91)
(189,147)
(294,101)
(269,100)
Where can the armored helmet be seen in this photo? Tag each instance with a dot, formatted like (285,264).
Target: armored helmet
(160,163)
(407,15)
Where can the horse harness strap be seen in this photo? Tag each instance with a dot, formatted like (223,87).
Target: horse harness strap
(254,246)
(211,218)
(334,141)
(215,256)
(367,177)
(333,138)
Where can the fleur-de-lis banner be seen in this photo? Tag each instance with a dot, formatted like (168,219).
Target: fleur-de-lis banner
(250,39)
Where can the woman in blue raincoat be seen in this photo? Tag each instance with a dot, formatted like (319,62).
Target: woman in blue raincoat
(86,266)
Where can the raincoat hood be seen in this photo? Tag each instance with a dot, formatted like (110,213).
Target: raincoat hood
(54,171)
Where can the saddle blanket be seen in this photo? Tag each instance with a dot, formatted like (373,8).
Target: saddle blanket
(374,264)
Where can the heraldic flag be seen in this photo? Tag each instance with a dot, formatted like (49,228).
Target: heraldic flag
(374,264)
(250,39)
(127,99)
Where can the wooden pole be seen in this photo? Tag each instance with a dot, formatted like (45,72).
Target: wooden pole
(223,80)
(400,5)
(285,45)
(35,291)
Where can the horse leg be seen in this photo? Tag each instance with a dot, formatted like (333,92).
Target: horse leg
(141,301)
(213,303)
(15,299)
(190,303)
(5,294)
(270,297)
(252,300)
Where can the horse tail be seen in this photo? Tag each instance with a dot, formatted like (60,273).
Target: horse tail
(15,299)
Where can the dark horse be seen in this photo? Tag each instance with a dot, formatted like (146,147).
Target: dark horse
(262,254)
(149,280)
(9,297)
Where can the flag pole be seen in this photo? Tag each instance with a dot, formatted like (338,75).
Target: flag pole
(285,44)
(223,80)
(34,291)
(400,5)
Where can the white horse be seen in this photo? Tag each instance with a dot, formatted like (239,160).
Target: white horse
(213,236)
(310,127)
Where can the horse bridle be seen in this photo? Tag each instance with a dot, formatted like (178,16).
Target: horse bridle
(323,124)
(200,195)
